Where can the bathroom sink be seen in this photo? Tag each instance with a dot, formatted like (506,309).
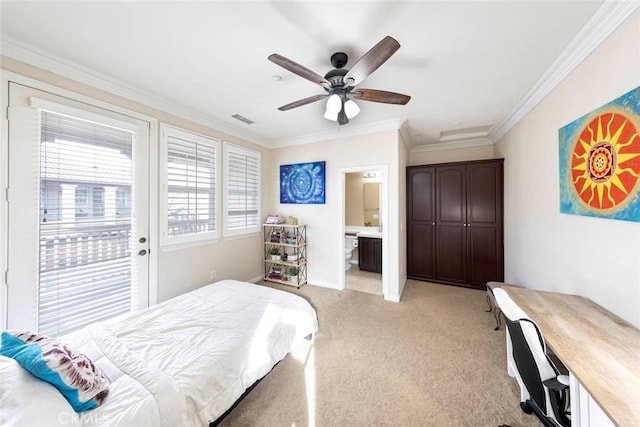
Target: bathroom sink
(374,234)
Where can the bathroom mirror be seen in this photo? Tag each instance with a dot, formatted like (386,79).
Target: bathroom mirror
(371,192)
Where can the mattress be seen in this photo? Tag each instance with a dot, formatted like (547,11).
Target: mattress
(182,362)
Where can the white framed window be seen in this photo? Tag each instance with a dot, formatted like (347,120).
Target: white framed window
(241,190)
(189,195)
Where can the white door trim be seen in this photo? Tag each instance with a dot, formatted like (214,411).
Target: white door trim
(384,213)
(5,78)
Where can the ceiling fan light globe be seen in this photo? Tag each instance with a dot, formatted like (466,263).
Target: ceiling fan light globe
(351,109)
(334,104)
(331,116)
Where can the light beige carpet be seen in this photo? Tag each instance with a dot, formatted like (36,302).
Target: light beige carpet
(363,281)
(431,360)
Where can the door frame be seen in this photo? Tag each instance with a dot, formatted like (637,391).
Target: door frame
(384,212)
(5,78)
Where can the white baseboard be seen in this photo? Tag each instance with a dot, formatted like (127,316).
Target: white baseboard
(256,279)
(392,298)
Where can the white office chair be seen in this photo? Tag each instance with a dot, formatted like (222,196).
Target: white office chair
(542,389)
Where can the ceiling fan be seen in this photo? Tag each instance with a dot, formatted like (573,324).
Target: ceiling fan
(340,83)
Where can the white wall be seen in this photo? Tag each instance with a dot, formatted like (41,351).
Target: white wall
(325,222)
(593,257)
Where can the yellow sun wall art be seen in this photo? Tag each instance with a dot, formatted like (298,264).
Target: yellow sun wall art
(600,161)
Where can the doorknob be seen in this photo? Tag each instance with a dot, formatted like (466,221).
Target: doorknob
(142,252)
(142,239)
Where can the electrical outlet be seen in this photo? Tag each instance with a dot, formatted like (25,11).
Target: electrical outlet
(212,274)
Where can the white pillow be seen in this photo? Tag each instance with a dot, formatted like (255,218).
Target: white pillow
(28,401)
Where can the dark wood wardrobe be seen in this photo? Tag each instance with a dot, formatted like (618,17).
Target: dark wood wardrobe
(454,223)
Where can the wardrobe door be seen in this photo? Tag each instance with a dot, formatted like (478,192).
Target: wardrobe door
(451,248)
(421,223)
(454,223)
(484,223)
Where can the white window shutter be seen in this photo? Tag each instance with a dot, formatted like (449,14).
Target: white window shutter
(190,174)
(242,190)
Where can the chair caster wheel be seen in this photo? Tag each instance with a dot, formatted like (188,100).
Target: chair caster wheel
(525,407)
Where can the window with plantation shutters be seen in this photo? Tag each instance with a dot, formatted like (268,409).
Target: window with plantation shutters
(85,272)
(190,174)
(241,190)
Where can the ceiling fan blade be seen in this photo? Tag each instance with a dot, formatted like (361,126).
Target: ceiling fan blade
(370,61)
(380,96)
(301,102)
(298,69)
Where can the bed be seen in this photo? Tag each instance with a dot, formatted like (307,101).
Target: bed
(183,362)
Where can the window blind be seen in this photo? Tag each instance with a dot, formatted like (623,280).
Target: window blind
(242,190)
(85,272)
(190,173)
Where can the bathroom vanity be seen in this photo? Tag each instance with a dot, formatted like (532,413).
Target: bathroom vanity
(370,252)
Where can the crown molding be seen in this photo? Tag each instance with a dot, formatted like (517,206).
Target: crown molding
(30,55)
(340,132)
(468,134)
(607,18)
(404,135)
(470,143)
(457,139)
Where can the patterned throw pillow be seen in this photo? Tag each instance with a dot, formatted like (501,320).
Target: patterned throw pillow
(73,374)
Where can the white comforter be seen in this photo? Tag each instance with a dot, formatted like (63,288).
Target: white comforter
(184,362)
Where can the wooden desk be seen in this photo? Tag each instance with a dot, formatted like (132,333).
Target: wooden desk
(601,350)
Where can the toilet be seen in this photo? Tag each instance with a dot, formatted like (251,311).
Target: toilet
(350,244)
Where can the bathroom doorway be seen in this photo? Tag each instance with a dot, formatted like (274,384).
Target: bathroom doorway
(364,209)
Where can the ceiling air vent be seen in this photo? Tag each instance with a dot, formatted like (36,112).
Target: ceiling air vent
(243,119)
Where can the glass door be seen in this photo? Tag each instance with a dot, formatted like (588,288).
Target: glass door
(78,213)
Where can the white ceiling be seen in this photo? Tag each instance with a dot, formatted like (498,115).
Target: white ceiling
(466,62)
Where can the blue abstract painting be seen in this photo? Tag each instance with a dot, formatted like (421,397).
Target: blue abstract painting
(302,183)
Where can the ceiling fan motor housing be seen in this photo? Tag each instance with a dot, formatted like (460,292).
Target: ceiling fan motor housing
(336,76)
(339,59)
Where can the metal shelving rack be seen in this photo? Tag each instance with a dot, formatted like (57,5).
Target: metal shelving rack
(290,242)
